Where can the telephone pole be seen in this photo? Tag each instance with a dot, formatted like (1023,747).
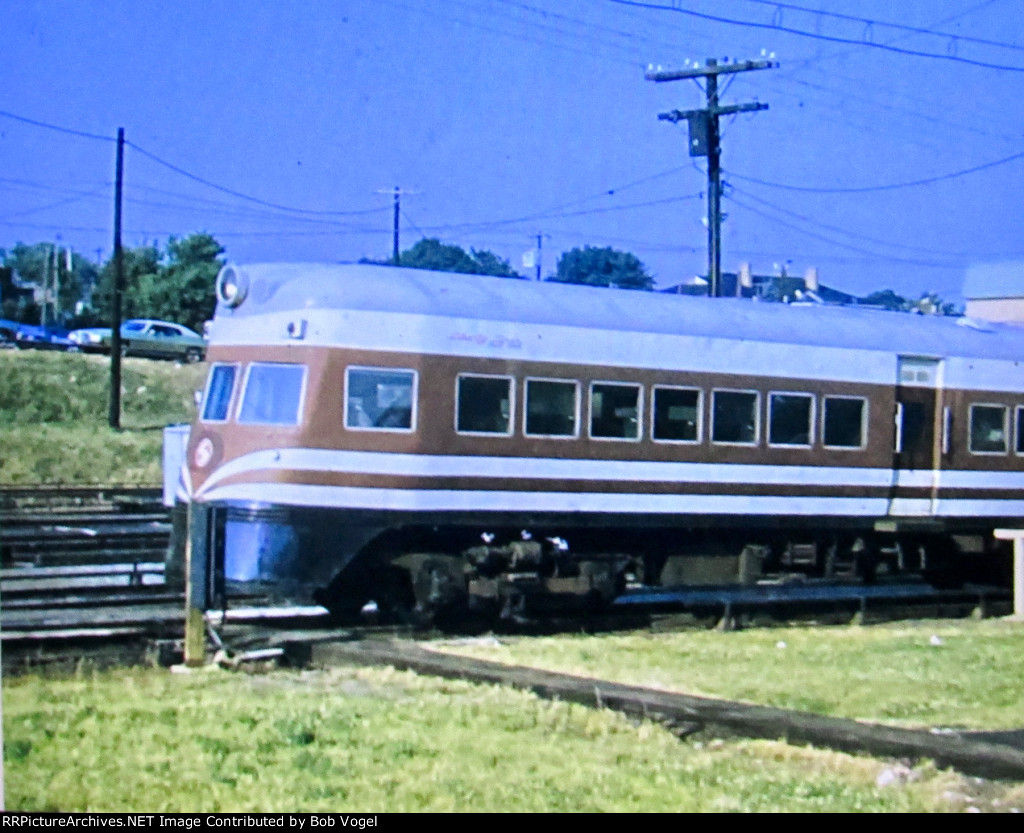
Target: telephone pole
(704,141)
(114,412)
(398,211)
(397,194)
(540,249)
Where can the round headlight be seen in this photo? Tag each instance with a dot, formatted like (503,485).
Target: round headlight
(232,286)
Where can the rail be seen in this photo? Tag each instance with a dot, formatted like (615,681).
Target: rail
(24,496)
(23,580)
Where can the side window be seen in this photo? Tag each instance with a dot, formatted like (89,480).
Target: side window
(1020,429)
(844,422)
(219,387)
(273,394)
(790,419)
(988,429)
(552,408)
(614,411)
(677,415)
(734,417)
(380,399)
(483,405)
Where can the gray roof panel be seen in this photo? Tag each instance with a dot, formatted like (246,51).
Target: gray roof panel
(278,287)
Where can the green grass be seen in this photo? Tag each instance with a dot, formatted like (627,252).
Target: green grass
(53,417)
(361,740)
(924,674)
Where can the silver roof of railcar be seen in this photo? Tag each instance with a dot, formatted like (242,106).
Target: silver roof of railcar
(283,287)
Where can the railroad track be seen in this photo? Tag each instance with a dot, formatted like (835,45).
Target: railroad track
(16,499)
(49,526)
(84,563)
(42,603)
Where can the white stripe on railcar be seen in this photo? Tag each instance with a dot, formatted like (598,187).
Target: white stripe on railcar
(422,500)
(616,471)
(547,468)
(442,500)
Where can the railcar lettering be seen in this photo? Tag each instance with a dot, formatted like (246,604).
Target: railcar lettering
(476,339)
(502,341)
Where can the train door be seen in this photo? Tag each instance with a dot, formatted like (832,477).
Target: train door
(917,447)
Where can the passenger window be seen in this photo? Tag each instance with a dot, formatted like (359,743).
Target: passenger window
(988,429)
(843,422)
(614,411)
(552,408)
(273,394)
(1020,429)
(484,405)
(380,399)
(677,415)
(219,387)
(790,418)
(734,417)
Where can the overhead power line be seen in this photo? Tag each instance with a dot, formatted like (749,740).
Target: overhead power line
(845,232)
(839,244)
(81,133)
(869,188)
(56,204)
(883,24)
(183,172)
(776,26)
(242,196)
(485,225)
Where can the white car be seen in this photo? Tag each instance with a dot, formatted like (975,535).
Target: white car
(91,339)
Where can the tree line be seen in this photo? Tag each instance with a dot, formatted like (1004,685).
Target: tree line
(589,266)
(176,282)
(173,283)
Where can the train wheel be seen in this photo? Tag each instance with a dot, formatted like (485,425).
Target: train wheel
(439,588)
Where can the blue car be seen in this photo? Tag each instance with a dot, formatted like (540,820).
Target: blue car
(8,335)
(30,336)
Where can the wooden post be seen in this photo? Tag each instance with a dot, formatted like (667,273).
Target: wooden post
(1017,536)
(197,583)
(114,412)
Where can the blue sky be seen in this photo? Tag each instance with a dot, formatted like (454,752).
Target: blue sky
(281,127)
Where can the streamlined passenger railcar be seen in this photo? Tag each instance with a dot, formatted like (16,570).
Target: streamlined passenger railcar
(435,442)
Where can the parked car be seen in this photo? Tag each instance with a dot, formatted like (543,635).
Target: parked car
(8,335)
(161,340)
(91,339)
(145,337)
(30,336)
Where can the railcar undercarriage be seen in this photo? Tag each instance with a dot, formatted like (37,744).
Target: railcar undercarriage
(412,572)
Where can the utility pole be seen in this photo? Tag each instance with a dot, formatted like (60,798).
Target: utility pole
(704,141)
(47,280)
(114,416)
(395,249)
(397,193)
(56,280)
